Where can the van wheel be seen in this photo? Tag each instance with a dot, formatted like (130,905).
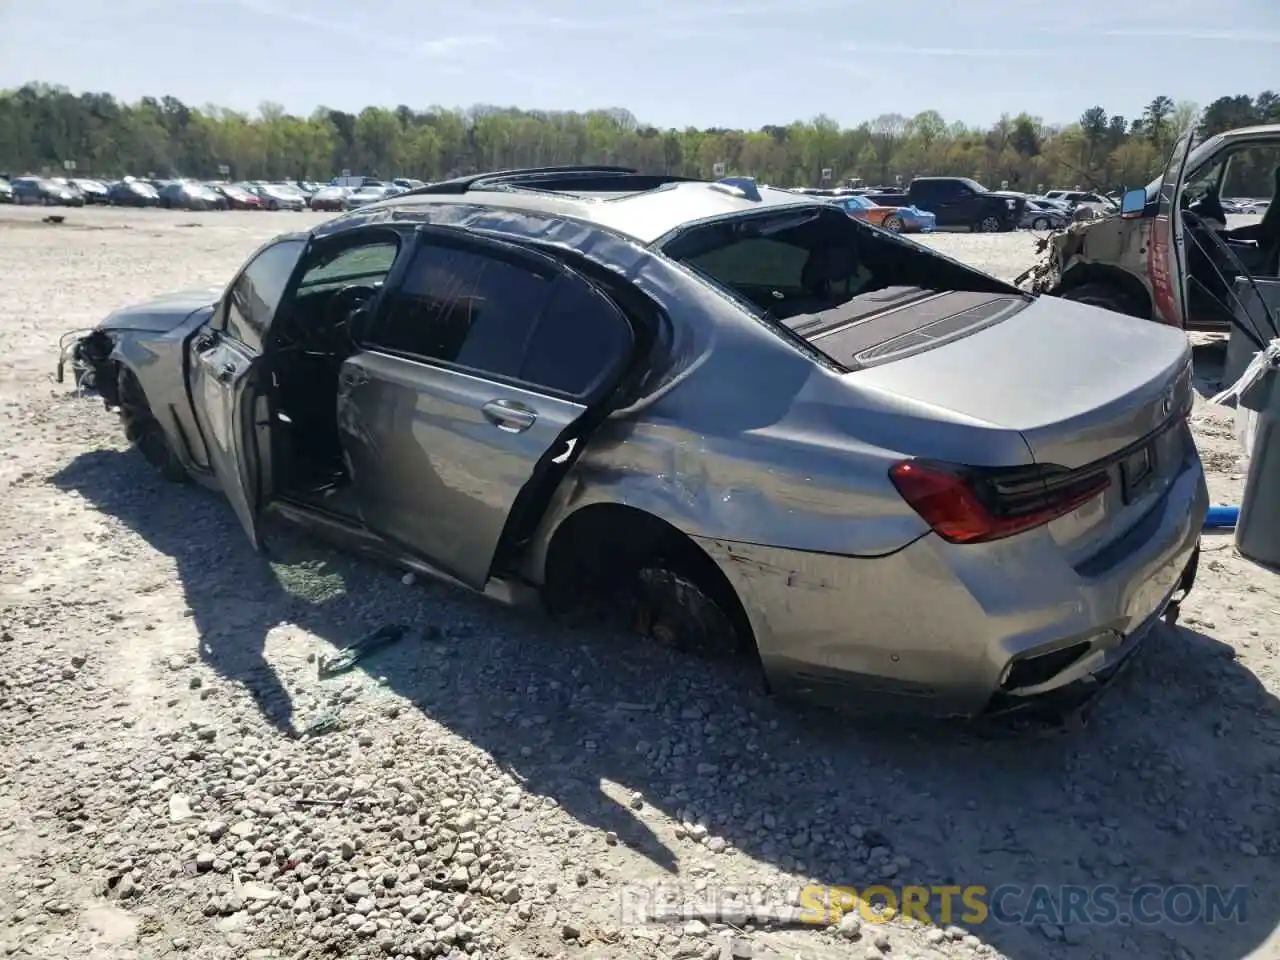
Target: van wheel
(1103,295)
(989,224)
(144,431)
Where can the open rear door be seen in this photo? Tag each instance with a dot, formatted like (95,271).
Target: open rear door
(1167,254)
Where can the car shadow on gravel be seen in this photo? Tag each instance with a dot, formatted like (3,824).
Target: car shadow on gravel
(1170,791)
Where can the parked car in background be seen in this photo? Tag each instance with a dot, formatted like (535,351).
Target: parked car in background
(93,191)
(237,197)
(189,195)
(1044,215)
(925,524)
(278,196)
(133,193)
(38,190)
(355,182)
(1099,203)
(1254,207)
(68,185)
(408,183)
(897,219)
(365,195)
(6,191)
(957,203)
(915,220)
(330,198)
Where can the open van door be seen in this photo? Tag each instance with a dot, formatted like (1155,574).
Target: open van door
(1167,254)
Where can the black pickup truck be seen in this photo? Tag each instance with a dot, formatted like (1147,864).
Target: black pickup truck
(958,202)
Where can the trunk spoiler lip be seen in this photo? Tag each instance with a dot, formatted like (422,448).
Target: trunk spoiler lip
(1174,416)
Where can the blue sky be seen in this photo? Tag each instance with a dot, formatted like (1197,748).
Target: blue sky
(741,63)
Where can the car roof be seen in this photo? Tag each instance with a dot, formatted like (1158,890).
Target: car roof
(644,215)
(1262,129)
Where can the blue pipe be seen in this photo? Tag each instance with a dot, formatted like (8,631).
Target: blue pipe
(1221,517)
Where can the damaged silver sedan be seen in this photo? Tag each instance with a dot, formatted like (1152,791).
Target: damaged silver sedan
(889,478)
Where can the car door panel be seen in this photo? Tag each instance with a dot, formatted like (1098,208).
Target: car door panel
(1167,256)
(223,377)
(439,456)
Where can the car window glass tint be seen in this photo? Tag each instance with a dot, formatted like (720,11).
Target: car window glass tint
(757,262)
(364,264)
(257,292)
(465,308)
(580,340)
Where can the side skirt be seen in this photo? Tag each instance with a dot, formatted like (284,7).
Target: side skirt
(355,537)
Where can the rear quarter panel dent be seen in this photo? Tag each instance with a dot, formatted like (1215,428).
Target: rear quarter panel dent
(738,489)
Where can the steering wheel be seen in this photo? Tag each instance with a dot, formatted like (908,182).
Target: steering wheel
(340,308)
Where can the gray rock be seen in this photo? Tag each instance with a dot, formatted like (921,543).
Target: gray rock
(179,808)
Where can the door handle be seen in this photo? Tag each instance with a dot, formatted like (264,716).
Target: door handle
(509,415)
(227,373)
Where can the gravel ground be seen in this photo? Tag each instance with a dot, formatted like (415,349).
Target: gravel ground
(495,787)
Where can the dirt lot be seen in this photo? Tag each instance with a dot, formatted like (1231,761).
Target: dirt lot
(493,784)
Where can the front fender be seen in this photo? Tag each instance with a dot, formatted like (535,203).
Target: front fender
(157,358)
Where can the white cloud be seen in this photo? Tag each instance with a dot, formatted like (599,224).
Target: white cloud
(449,46)
(441,47)
(906,49)
(1238,35)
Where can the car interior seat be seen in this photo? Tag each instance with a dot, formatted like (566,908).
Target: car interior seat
(1269,231)
(831,276)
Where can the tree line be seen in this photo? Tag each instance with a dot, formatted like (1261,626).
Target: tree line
(42,127)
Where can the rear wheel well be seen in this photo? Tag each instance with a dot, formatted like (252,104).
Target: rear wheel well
(605,548)
(1129,288)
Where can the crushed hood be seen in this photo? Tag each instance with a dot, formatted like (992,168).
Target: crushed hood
(163,313)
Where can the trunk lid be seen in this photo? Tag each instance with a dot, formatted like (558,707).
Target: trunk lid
(1078,383)
(1090,391)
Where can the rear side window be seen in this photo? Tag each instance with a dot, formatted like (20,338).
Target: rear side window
(580,340)
(552,331)
(465,308)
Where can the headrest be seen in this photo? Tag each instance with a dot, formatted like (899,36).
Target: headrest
(828,264)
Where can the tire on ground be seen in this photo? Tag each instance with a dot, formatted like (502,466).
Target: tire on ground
(143,430)
(1106,296)
(609,558)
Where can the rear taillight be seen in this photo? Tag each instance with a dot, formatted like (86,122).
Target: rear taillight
(977,505)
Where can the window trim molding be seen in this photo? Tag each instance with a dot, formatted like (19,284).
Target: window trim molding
(446,366)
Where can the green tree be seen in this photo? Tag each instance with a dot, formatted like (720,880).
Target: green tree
(42,126)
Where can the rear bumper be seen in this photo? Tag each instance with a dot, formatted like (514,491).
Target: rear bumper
(963,631)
